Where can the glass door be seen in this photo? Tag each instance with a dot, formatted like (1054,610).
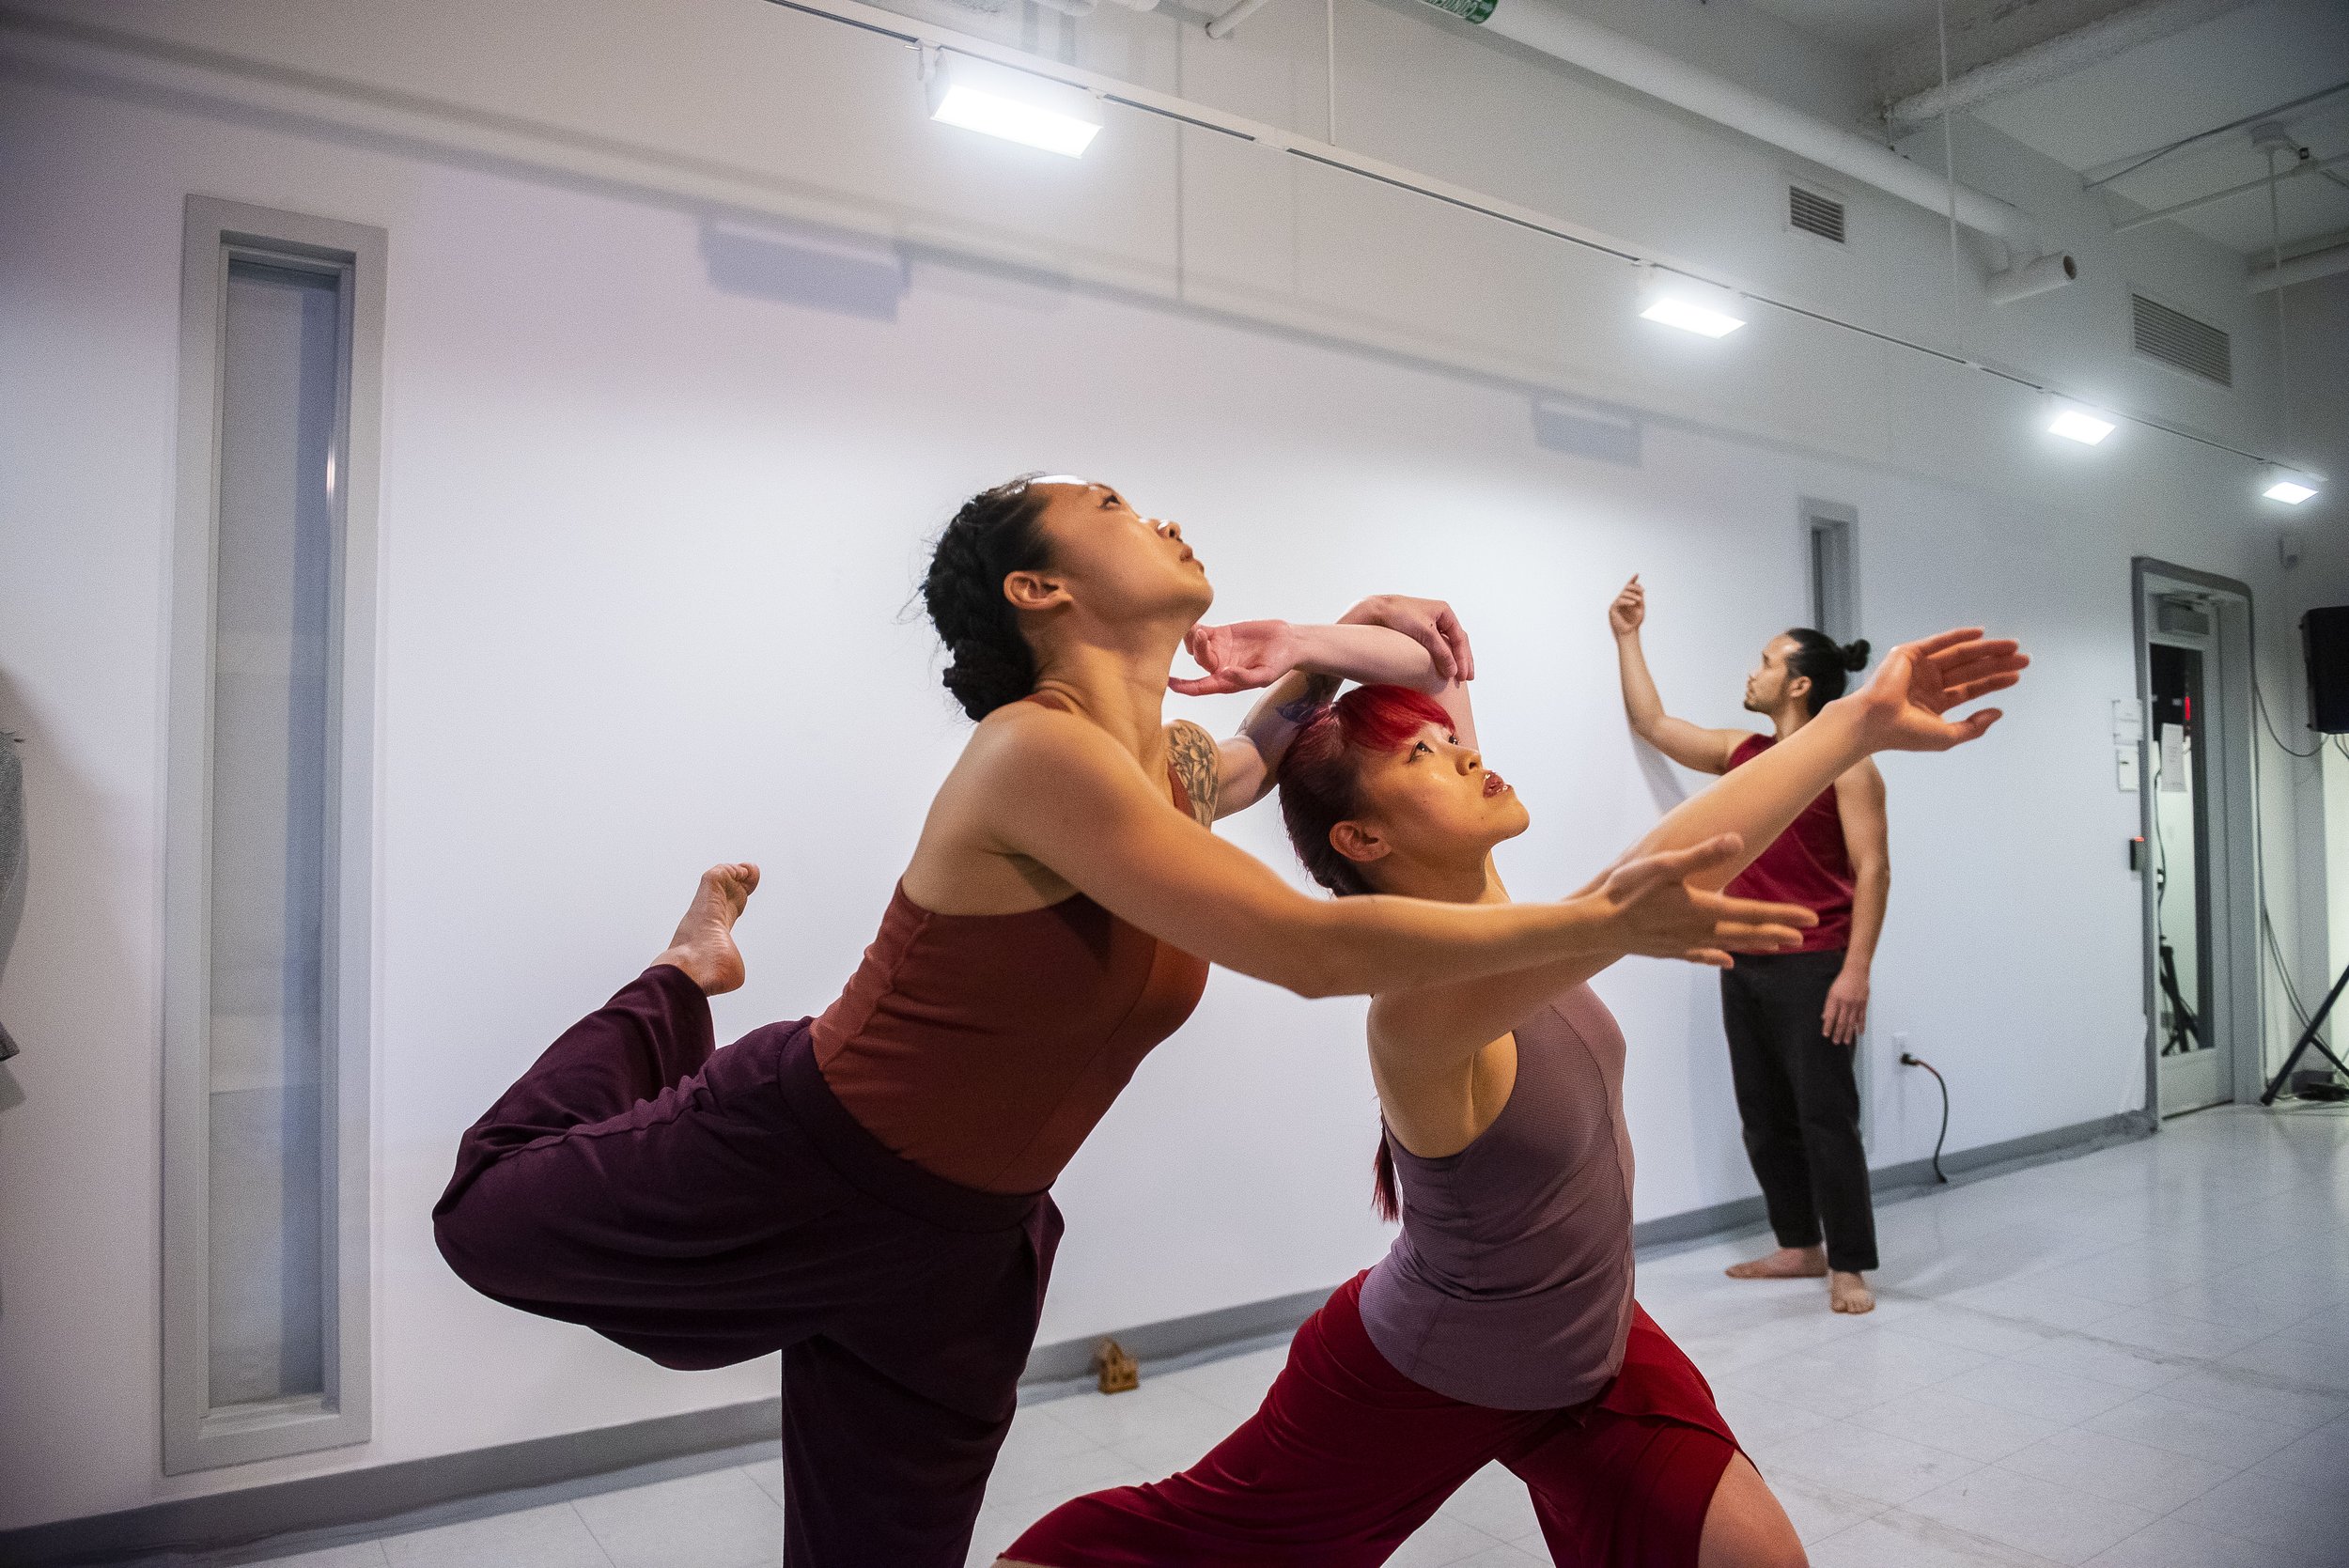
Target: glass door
(2194,1067)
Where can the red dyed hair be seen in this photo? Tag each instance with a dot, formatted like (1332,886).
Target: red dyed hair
(1320,777)
(1320,787)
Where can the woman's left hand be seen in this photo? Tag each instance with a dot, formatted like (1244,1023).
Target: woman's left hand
(1846,1008)
(1238,656)
(1902,708)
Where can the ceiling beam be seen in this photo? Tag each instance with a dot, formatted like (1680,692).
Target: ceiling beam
(2007,45)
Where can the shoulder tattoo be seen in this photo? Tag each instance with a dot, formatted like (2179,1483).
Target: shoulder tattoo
(1197,763)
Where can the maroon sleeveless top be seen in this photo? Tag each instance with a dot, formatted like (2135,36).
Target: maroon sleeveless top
(1807,864)
(984,1047)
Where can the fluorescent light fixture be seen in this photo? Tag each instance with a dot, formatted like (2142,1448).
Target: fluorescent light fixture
(1017,105)
(2075,422)
(1679,301)
(2291,486)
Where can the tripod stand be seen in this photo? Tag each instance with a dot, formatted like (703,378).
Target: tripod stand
(2307,1039)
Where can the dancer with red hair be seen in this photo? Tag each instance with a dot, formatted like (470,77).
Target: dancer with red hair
(1502,1325)
(867,1191)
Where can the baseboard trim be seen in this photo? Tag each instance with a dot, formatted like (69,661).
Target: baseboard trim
(1908,1179)
(325,1511)
(1066,1365)
(318,1512)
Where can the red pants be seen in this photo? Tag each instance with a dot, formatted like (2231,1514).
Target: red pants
(1346,1457)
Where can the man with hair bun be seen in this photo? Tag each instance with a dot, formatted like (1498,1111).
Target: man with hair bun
(1793,1019)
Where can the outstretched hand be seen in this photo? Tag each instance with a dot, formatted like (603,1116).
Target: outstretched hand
(1239,656)
(1659,914)
(1902,708)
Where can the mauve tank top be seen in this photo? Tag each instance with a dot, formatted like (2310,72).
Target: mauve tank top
(984,1047)
(1510,1286)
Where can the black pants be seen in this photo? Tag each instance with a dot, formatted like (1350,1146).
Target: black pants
(1799,1104)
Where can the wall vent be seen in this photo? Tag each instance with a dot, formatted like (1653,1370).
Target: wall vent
(2176,338)
(1814,213)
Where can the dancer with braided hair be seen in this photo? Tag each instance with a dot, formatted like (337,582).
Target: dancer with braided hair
(866,1191)
(1793,1019)
(1501,1327)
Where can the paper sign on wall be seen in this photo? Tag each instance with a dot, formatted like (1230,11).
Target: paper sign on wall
(2173,779)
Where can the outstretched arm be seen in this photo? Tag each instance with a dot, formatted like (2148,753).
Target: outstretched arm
(1900,710)
(1722,829)
(1052,789)
(1690,745)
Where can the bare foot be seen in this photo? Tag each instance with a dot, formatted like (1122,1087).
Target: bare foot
(1849,1293)
(704,944)
(1787,1262)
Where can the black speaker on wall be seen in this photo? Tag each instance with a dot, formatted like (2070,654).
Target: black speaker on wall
(2325,638)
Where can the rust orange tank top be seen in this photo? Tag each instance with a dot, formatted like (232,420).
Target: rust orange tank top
(984,1047)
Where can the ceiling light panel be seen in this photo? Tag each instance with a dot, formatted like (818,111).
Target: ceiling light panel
(2289,486)
(1016,105)
(2075,422)
(1678,301)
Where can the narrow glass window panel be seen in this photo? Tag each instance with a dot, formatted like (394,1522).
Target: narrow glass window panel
(271,819)
(1822,579)
(1834,607)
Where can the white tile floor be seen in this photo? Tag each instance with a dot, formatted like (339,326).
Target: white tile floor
(2139,1358)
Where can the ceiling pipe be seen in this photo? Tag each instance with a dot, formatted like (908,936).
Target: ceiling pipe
(2057,57)
(2302,268)
(2026,278)
(1561,35)
(1222,25)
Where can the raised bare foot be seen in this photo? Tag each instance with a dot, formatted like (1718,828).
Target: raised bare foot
(1787,1262)
(1849,1293)
(704,944)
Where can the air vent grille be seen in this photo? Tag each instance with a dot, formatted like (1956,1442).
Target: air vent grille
(2176,338)
(1813,213)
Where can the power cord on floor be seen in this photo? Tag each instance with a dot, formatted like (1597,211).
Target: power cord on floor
(1911,1061)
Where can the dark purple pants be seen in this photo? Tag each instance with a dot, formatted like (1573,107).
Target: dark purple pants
(703,1208)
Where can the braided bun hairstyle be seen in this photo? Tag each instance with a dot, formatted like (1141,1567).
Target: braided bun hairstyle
(995,535)
(1825,662)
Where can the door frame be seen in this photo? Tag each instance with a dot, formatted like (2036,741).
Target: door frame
(2234,1004)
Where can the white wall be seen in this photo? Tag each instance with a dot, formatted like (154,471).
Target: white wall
(647,536)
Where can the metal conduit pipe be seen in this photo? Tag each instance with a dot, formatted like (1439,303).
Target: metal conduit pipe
(1222,25)
(2301,269)
(2058,57)
(1561,34)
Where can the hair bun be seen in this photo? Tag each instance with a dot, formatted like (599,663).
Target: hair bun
(985,677)
(1856,654)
